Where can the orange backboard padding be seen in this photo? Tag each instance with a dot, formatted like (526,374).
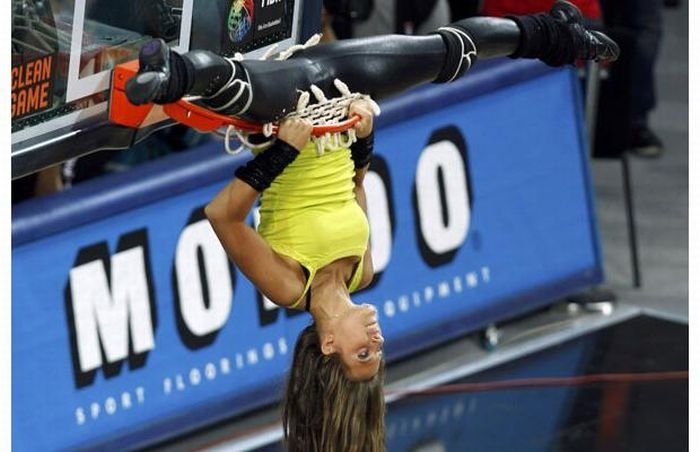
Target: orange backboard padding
(121,111)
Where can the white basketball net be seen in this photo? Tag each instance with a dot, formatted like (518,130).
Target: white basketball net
(323,112)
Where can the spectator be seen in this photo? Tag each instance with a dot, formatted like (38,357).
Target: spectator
(630,92)
(628,95)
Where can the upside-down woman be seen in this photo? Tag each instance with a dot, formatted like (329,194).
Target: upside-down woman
(311,248)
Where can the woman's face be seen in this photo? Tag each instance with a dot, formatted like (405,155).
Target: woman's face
(357,339)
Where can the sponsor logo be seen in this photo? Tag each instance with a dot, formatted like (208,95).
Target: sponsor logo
(32,86)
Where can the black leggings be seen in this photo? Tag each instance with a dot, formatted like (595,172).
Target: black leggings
(380,66)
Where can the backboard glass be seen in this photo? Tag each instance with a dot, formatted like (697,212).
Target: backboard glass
(63,53)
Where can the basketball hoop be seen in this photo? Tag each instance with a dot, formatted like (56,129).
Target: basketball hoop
(328,116)
(205,120)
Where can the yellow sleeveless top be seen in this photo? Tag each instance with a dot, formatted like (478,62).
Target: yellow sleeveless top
(310,214)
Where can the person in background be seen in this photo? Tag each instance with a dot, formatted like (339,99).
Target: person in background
(628,92)
(638,27)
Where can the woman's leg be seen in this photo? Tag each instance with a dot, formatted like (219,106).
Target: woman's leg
(381,66)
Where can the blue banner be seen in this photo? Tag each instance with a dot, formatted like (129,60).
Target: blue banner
(130,325)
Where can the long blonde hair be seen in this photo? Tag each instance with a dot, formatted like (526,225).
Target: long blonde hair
(323,410)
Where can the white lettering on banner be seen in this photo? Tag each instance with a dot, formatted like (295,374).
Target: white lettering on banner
(379,220)
(389,308)
(195,376)
(79,416)
(199,318)
(126,400)
(282,346)
(252,357)
(440,236)
(94,410)
(471,279)
(444,291)
(268,351)
(403,303)
(211,372)
(225,366)
(110,405)
(457,284)
(110,316)
(167,386)
(140,394)
(416,299)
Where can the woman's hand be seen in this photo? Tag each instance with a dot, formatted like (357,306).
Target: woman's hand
(364,126)
(295,132)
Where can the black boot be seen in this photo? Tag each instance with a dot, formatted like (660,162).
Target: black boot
(166,76)
(561,38)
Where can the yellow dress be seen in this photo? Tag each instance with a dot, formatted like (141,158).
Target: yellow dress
(310,214)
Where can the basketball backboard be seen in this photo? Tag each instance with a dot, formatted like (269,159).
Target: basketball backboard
(63,53)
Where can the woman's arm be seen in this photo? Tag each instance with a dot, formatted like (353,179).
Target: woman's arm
(279,278)
(361,155)
(361,197)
